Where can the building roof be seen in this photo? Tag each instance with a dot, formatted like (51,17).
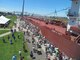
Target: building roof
(3,20)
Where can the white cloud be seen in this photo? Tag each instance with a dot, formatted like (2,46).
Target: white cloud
(5,9)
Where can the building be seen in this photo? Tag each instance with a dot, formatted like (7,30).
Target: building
(74,15)
(4,21)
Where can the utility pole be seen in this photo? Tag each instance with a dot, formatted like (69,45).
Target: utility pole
(22,9)
(55,14)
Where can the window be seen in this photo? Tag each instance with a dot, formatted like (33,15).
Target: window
(72,20)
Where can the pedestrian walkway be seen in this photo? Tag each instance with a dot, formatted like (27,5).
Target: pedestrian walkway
(5,34)
(37,57)
(30,46)
(43,48)
(4,29)
(17,24)
(16,27)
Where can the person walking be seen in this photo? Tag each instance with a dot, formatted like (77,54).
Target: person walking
(14,38)
(20,52)
(14,57)
(18,36)
(4,40)
(48,57)
(11,42)
(31,54)
(8,37)
(21,58)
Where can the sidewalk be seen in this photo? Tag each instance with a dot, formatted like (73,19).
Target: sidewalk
(4,29)
(38,57)
(30,46)
(43,48)
(5,34)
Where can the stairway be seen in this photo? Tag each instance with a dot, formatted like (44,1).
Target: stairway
(78,40)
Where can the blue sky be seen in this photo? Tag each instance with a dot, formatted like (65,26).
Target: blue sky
(42,7)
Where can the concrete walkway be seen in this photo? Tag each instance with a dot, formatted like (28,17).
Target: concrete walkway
(17,24)
(38,57)
(43,50)
(4,29)
(30,46)
(5,34)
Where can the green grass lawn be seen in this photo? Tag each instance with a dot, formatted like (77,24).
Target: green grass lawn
(4,31)
(7,50)
(12,20)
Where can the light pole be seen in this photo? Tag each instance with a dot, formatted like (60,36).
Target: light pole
(22,9)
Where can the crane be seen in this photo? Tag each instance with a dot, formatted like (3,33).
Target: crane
(55,12)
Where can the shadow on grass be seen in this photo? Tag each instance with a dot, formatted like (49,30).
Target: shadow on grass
(24,48)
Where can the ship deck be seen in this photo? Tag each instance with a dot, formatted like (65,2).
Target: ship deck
(57,36)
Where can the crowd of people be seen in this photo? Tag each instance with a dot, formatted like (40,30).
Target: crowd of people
(12,39)
(51,51)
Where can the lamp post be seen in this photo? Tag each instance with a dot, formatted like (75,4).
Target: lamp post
(22,9)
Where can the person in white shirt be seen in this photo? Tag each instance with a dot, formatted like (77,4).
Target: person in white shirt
(20,52)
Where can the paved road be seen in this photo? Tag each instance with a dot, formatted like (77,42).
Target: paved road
(38,57)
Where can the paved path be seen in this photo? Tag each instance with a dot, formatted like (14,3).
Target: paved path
(4,29)
(5,34)
(30,46)
(38,57)
(17,24)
